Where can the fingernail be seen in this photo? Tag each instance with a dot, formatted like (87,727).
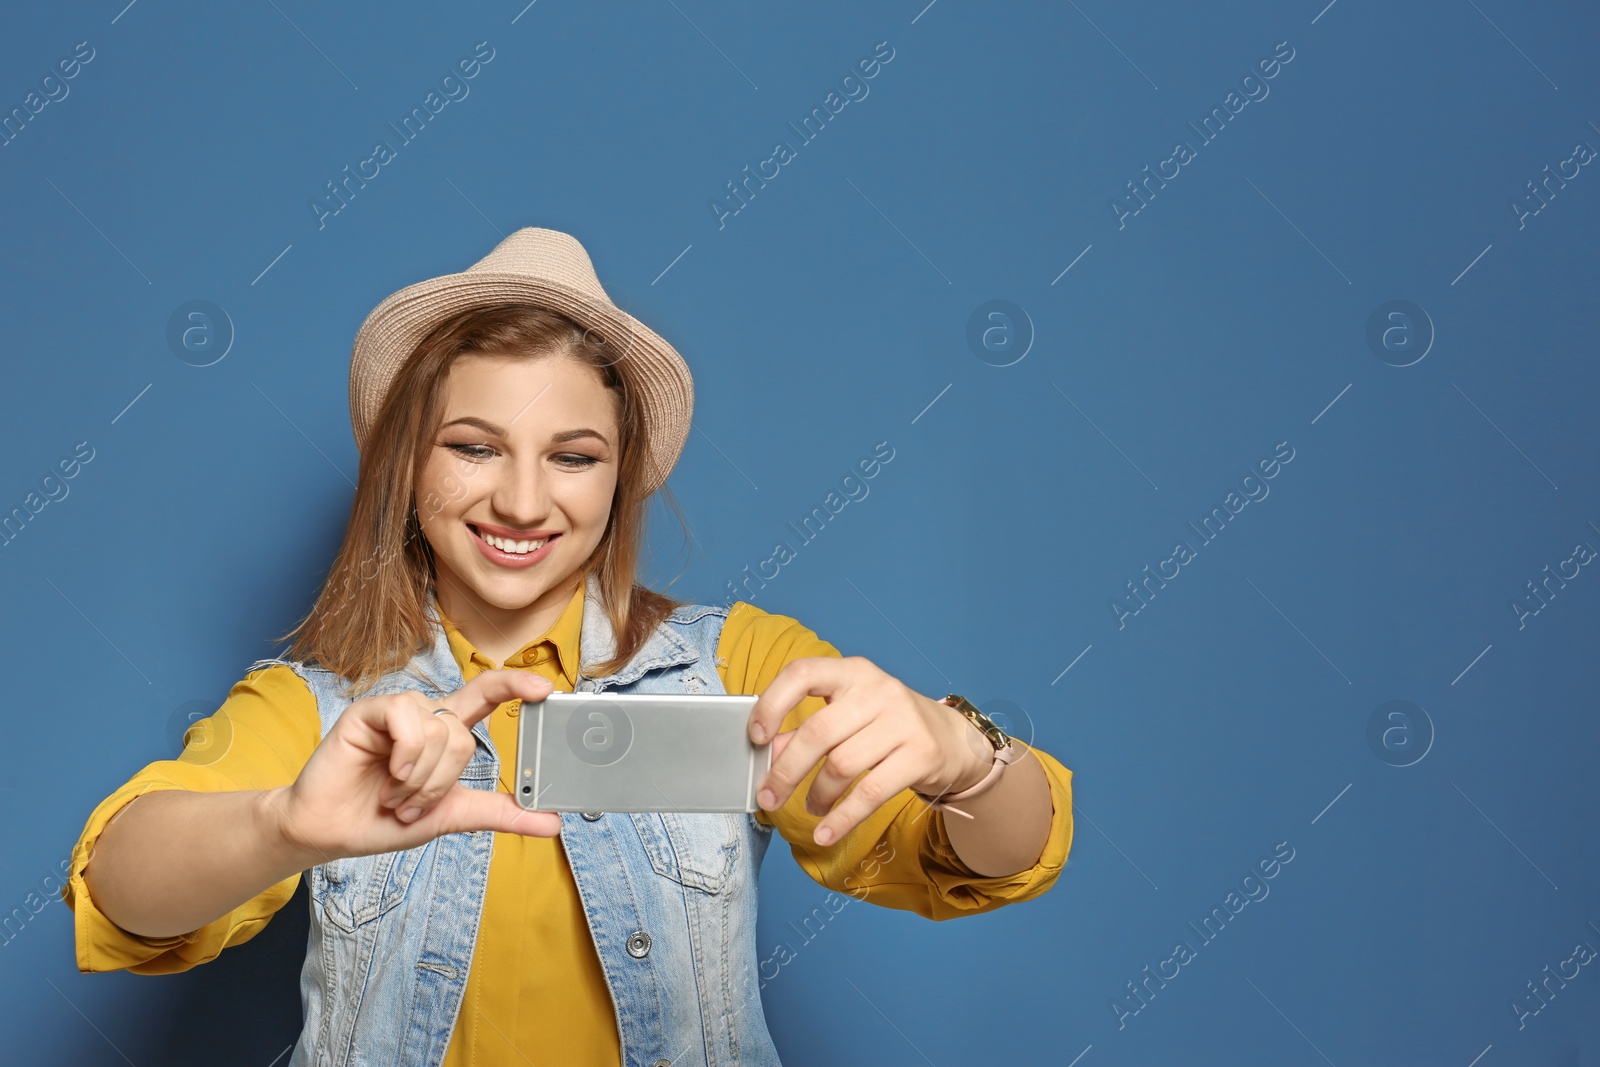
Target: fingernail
(824,835)
(759,732)
(768,799)
(404,771)
(407,814)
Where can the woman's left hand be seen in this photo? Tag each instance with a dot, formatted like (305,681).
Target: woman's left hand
(874,725)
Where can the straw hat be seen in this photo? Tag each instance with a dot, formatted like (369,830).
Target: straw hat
(552,270)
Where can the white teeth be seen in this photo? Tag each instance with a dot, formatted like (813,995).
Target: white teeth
(518,548)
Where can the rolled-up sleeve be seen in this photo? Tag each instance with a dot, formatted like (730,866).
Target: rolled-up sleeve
(900,856)
(258,739)
(954,888)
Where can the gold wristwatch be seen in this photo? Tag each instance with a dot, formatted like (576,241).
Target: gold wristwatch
(997,737)
(1004,754)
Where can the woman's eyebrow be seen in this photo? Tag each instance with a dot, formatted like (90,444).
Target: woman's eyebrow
(561,438)
(572,435)
(483,424)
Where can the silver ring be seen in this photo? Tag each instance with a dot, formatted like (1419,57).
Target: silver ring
(445,711)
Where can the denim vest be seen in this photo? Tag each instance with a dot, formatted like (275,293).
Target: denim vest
(670,898)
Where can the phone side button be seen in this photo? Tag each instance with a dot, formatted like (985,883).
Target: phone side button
(592,816)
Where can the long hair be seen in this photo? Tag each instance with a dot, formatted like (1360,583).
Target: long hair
(371,615)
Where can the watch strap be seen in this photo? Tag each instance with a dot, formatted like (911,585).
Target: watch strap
(1003,758)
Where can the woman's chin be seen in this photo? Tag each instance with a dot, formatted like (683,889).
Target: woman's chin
(508,590)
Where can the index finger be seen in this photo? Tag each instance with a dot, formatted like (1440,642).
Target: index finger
(813,676)
(476,699)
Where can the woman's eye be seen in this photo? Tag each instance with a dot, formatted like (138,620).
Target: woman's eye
(576,461)
(472,451)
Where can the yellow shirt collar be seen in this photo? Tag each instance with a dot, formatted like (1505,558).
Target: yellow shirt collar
(558,645)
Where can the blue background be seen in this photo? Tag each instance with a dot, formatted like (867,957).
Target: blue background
(831,313)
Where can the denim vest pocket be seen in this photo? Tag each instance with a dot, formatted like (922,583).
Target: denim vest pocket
(696,849)
(480,768)
(357,890)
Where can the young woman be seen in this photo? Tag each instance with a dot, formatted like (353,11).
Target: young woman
(513,424)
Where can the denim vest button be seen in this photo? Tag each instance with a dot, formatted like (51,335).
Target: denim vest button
(638,944)
(592,815)
(662,1063)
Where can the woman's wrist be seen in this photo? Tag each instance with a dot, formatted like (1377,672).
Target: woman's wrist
(290,852)
(984,762)
(979,764)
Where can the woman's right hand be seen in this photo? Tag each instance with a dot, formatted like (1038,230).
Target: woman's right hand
(385,778)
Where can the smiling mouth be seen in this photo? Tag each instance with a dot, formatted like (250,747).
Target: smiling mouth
(510,547)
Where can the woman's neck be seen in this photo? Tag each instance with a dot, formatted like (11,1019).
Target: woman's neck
(498,632)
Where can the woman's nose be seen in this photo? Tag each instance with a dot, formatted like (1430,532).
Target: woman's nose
(522,496)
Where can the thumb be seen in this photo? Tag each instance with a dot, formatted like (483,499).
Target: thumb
(480,809)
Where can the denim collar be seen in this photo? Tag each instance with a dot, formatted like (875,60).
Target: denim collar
(663,648)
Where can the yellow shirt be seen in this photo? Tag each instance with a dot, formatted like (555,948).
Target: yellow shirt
(560,1011)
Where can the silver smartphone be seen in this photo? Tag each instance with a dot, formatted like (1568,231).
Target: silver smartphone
(639,752)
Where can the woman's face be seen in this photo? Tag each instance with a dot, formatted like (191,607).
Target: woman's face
(527,451)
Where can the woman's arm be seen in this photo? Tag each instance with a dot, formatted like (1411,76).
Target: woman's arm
(877,738)
(1010,820)
(385,778)
(172,860)
(902,855)
(258,740)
